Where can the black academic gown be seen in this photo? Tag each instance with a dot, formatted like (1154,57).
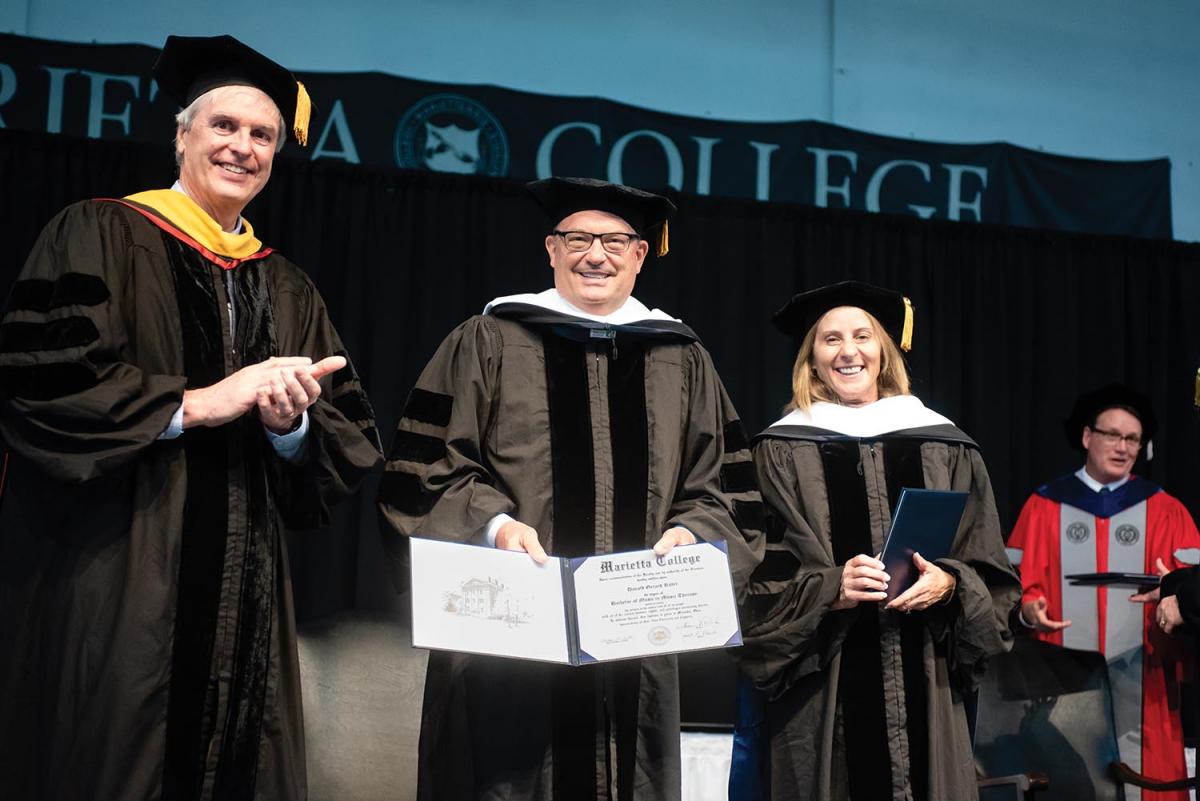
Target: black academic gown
(148,643)
(867,704)
(601,437)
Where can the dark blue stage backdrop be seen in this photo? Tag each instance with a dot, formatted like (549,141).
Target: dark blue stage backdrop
(106,91)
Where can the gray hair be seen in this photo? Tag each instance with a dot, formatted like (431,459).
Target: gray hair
(185,118)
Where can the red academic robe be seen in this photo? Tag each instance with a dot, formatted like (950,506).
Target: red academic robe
(1066,528)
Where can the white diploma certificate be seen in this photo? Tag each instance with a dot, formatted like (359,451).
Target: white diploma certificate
(571,611)
(636,604)
(487,601)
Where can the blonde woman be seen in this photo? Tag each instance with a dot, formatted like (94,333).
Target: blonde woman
(863,697)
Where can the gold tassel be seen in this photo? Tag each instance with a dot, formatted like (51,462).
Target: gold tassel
(664,241)
(303,113)
(906,334)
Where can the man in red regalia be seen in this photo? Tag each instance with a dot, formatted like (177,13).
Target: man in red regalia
(1102,519)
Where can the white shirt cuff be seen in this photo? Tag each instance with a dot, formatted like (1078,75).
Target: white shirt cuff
(489,533)
(175,428)
(290,446)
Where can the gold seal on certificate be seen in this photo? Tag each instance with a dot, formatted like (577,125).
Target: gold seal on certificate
(572,611)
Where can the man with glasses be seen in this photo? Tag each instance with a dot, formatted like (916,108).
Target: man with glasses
(573,421)
(1103,519)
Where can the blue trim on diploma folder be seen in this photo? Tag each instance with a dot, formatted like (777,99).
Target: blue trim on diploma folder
(926,522)
(736,639)
(569,566)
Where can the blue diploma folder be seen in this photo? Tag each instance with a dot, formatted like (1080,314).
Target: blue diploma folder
(925,521)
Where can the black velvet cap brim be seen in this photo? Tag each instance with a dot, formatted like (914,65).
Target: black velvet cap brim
(1114,396)
(804,309)
(189,66)
(562,197)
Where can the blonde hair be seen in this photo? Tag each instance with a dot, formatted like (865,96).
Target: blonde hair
(808,388)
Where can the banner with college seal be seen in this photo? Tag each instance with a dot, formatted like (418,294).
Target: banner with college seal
(106,91)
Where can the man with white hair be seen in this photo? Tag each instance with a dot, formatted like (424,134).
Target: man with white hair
(172,395)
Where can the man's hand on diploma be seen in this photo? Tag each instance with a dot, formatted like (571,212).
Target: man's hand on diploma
(516,536)
(672,537)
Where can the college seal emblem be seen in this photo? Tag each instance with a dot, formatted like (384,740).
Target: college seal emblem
(451,133)
(1078,533)
(1127,534)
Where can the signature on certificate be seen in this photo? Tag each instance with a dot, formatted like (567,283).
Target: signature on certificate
(699,627)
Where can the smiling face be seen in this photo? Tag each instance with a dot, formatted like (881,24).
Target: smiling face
(594,280)
(1109,456)
(225,155)
(846,355)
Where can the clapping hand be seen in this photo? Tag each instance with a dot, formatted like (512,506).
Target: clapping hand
(281,387)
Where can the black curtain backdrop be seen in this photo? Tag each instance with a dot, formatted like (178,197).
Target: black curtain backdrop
(1011,323)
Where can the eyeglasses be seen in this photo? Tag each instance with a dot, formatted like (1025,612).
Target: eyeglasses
(1113,437)
(617,243)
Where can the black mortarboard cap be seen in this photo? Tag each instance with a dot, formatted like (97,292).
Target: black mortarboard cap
(1113,396)
(890,308)
(644,211)
(189,66)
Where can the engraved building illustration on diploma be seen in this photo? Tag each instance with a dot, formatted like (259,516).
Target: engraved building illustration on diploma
(487,599)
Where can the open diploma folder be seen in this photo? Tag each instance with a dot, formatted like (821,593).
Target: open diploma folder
(925,522)
(571,611)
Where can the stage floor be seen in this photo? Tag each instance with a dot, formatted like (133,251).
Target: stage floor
(362,686)
(362,682)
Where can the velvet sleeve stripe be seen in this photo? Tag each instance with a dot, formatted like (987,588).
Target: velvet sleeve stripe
(413,447)
(756,606)
(749,515)
(403,491)
(44,382)
(353,406)
(347,373)
(777,565)
(775,528)
(71,289)
(738,477)
(735,437)
(372,435)
(429,407)
(69,332)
